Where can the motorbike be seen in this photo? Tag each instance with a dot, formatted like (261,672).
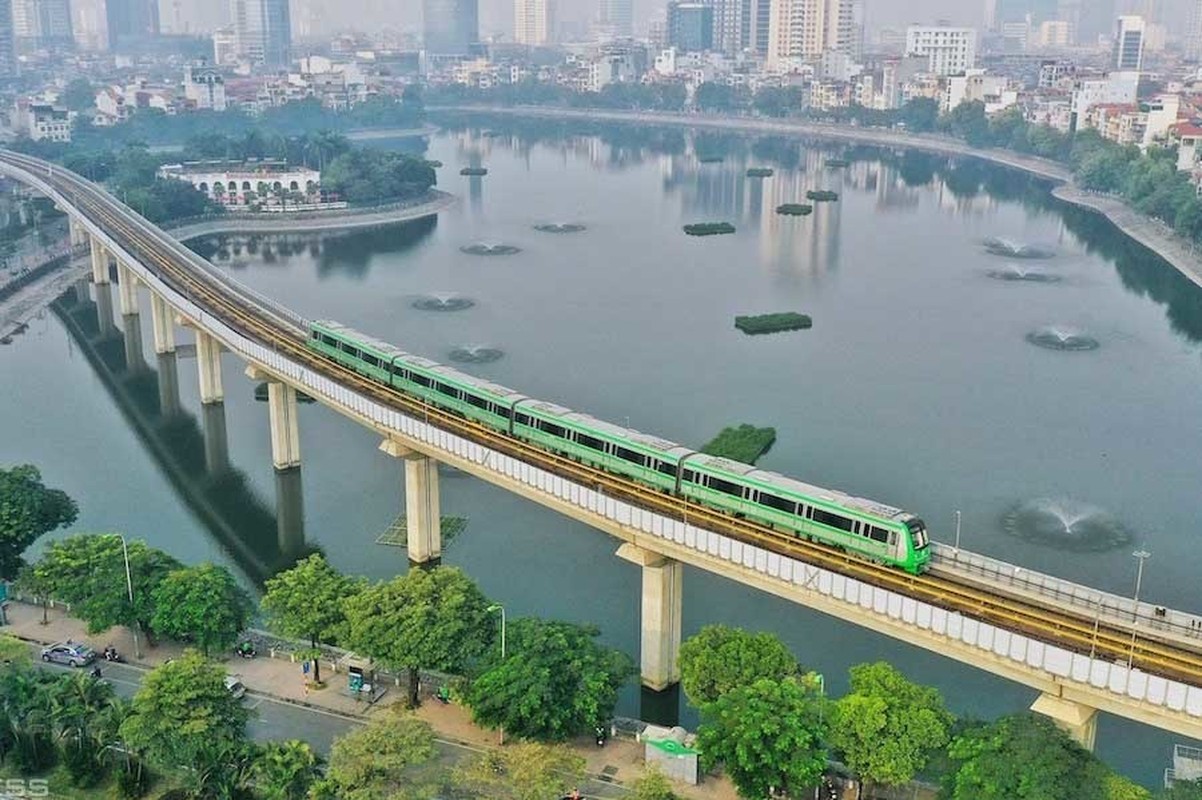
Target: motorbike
(245,649)
(601,735)
(111,655)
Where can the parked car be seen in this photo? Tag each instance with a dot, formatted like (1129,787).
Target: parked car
(73,654)
(235,686)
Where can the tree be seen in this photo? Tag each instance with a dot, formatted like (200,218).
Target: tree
(720,658)
(372,176)
(1120,788)
(1182,790)
(286,770)
(652,785)
(435,618)
(525,771)
(886,727)
(716,97)
(27,510)
(202,604)
(1022,757)
(79,95)
(184,719)
(555,683)
(380,759)
(306,602)
(88,572)
(920,114)
(768,734)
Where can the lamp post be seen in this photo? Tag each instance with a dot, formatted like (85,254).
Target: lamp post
(495,607)
(1140,556)
(957,532)
(129,587)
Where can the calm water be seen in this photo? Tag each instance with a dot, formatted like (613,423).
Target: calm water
(916,386)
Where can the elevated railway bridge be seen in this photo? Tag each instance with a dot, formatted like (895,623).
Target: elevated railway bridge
(1084,650)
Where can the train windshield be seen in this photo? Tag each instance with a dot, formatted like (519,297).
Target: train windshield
(918,530)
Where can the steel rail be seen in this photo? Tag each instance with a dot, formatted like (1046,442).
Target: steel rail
(1070,630)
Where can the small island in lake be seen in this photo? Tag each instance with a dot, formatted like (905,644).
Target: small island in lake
(710,159)
(837,162)
(708,228)
(744,443)
(473,171)
(773,323)
(822,195)
(759,172)
(795,209)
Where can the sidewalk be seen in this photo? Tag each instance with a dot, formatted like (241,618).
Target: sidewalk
(618,762)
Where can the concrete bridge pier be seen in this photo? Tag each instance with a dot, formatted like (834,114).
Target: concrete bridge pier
(78,234)
(208,360)
(83,292)
(131,327)
(217,443)
(127,289)
(423,519)
(663,597)
(289,512)
(1077,720)
(163,321)
(168,369)
(104,309)
(285,428)
(100,262)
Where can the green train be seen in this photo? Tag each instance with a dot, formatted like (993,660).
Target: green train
(869,529)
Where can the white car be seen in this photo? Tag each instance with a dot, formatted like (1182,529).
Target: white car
(235,686)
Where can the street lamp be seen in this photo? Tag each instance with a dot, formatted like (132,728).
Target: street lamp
(495,607)
(1141,556)
(957,532)
(129,587)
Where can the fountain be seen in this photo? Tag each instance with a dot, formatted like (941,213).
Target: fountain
(443,301)
(559,227)
(1065,525)
(1011,249)
(1017,272)
(489,249)
(1058,337)
(475,354)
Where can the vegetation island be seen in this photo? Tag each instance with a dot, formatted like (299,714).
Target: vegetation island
(822,195)
(708,228)
(773,323)
(473,171)
(743,443)
(837,162)
(795,209)
(759,172)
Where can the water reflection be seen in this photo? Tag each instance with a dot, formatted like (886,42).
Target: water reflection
(194,455)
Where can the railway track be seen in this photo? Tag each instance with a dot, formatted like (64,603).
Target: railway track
(1066,627)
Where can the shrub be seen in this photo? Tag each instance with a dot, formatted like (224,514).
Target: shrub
(772,323)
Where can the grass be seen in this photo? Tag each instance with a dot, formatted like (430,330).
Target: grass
(822,195)
(60,785)
(759,172)
(473,171)
(708,228)
(743,443)
(795,209)
(773,323)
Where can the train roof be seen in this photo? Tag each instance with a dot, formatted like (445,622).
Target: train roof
(618,432)
(376,344)
(471,380)
(860,504)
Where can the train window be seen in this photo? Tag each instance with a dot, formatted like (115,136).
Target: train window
(420,380)
(478,402)
(878,534)
(501,411)
(521,419)
(666,467)
(329,340)
(855,528)
(690,476)
(449,391)
(371,360)
(629,455)
(833,520)
(726,487)
(402,373)
(805,511)
(590,441)
(779,503)
(552,428)
(350,349)
(893,538)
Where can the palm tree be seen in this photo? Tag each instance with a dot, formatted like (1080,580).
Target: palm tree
(285,770)
(77,704)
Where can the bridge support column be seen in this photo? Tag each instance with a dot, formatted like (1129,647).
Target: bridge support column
(127,288)
(423,523)
(79,234)
(217,443)
(83,292)
(663,596)
(1078,721)
(285,430)
(208,359)
(169,404)
(100,262)
(289,512)
(131,326)
(163,322)
(104,308)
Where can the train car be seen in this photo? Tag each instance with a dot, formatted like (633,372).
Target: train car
(358,351)
(449,388)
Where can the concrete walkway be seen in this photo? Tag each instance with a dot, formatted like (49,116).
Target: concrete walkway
(616,764)
(32,299)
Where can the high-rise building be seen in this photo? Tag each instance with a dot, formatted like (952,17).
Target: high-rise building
(805,29)
(263,31)
(532,21)
(1129,44)
(616,18)
(43,23)
(1193,35)
(131,19)
(690,26)
(450,27)
(760,16)
(949,51)
(8,51)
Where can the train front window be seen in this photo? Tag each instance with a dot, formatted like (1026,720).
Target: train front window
(918,531)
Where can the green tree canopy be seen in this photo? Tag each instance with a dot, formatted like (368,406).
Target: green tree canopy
(720,658)
(383,760)
(769,736)
(373,176)
(183,718)
(1121,788)
(555,683)
(27,510)
(652,785)
(88,572)
(79,95)
(1182,790)
(202,604)
(308,601)
(525,771)
(1022,757)
(886,727)
(286,770)
(437,619)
